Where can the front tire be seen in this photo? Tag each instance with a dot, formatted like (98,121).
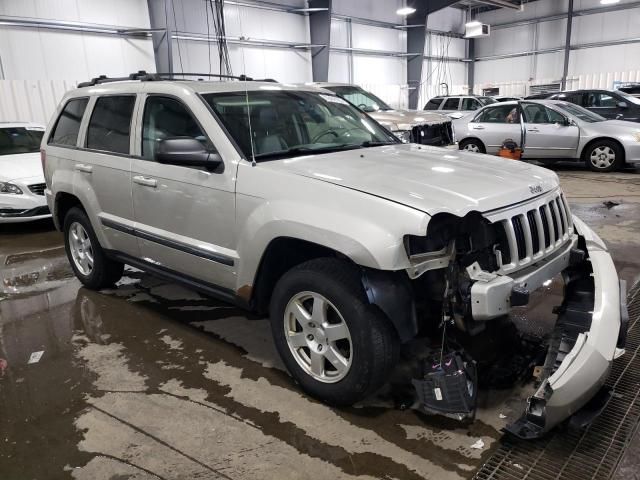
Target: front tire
(472,145)
(336,345)
(604,156)
(87,258)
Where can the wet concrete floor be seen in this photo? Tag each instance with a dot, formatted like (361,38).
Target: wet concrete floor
(151,380)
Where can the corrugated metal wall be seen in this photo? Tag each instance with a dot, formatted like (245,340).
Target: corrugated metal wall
(31,100)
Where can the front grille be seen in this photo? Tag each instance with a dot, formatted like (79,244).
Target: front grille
(534,232)
(38,188)
(437,135)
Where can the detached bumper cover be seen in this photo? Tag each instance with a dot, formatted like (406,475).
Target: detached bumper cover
(585,342)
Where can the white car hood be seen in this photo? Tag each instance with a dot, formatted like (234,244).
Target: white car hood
(406,119)
(429,179)
(21,165)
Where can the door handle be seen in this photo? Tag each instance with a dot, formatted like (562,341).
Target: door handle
(146,181)
(478,127)
(533,130)
(81,167)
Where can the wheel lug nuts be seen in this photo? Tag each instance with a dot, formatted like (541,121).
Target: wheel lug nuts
(312,325)
(319,348)
(309,337)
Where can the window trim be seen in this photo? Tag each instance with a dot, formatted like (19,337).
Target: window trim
(145,98)
(93,109)
(55,126)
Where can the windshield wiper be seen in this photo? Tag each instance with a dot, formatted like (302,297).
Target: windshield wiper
(290,152)
(371,143)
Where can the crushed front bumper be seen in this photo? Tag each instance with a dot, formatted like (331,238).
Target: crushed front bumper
(589,335)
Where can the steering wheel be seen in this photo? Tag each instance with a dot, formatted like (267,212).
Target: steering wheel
(332,131)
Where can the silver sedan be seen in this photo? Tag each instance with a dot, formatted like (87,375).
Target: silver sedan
(551,130)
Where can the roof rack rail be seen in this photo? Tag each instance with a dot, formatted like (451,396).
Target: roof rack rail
(144,76)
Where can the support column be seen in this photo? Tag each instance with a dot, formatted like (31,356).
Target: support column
(416,33)
(320,34)
(567,45)
(471,66)
(159,12)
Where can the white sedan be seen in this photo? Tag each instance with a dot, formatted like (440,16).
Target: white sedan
(21,178)
(552,130)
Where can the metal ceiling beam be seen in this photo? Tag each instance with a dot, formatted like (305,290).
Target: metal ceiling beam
(501,4)
(561,16)
(320,34)
(97,28)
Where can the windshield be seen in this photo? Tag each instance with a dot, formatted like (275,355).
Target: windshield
(361,98)
(486,100)
(19,140)
(579,112)
(289,123)
(629,98)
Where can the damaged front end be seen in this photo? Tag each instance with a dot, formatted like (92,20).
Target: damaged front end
(467,272)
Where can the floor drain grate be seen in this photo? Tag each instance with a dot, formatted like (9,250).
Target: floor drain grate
(590,454)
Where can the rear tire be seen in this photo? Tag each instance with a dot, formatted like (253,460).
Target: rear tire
(604,156)
(333,304)
(472,145)
(87,258)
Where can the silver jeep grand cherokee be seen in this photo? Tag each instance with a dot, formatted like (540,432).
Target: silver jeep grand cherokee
(290,201)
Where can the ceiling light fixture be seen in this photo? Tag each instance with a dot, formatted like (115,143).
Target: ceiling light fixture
(404,11)
(608,2)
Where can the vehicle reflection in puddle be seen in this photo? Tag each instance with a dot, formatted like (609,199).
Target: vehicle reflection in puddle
(127,384)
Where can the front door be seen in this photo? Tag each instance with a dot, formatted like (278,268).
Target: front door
(548,134)
(185,216)
(604,104)
(495,124)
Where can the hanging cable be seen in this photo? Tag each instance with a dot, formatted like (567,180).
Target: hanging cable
(175,22)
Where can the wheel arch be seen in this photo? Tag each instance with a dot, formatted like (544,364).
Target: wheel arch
(63,203)
(590,143)
(484,147)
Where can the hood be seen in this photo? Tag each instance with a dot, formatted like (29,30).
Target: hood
(429,179)
(407,119)
(21,165)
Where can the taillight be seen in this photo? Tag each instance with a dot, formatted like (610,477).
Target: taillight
(43,159)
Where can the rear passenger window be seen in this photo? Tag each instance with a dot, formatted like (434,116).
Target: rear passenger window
(167,118)
(68,124)
(110,124)
(451,104)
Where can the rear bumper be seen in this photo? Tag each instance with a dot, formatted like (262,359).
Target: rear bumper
(586,341)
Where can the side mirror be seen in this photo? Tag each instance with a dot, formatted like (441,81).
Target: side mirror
(187,152)
(623,105)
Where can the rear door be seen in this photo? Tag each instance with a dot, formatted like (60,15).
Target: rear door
(470,104)
(495,124)
(451,105)
(185,216)
(105,168)
(547,133)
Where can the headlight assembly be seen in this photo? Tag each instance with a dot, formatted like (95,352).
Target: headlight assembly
(636,135)
(403,135)
(10,189)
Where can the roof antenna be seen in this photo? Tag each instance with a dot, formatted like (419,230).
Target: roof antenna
(246,95)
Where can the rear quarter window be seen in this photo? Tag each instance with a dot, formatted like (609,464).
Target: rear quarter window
(65,131)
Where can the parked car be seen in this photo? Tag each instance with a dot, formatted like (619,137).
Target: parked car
(458,106)
(539,96)
(410,126)
(291,201)
(611,104)
(631,89)
(555,130)
(21,179)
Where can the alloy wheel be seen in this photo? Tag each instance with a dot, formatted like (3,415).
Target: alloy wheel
(318,337)
(81,249)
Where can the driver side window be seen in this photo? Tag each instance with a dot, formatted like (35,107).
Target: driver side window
(166,117)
